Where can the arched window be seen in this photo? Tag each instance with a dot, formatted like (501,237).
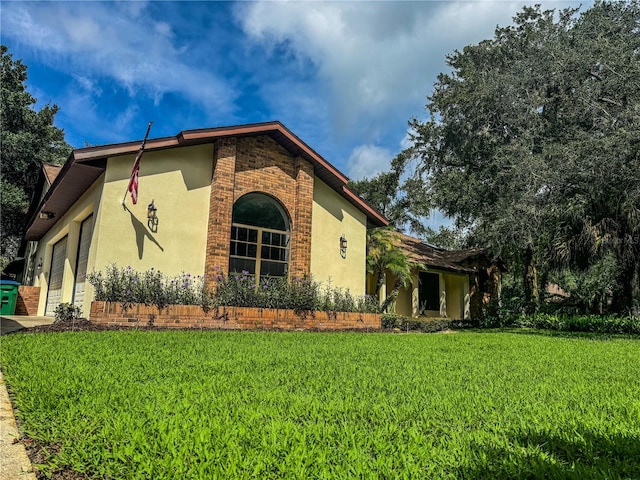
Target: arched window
(260,234)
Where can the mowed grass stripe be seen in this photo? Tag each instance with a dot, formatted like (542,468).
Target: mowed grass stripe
(145,404)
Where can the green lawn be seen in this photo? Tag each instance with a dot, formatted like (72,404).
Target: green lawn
(180,405)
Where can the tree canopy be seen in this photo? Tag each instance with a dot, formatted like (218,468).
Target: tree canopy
(29,139)
(533,144)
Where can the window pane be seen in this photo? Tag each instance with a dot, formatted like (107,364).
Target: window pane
(253,236)
(265,253)
(242,264)
(252,250)
(242,234)
(275,253)
(260,210)
(429,291)
(274,269)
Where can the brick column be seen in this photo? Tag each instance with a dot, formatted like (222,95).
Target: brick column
(221,206)
(28,299)
(301,233)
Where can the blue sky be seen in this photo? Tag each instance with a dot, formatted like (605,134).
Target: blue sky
(344,76)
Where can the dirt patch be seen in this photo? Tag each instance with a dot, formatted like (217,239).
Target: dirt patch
(41,454)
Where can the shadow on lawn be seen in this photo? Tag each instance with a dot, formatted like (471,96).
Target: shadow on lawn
(548,456)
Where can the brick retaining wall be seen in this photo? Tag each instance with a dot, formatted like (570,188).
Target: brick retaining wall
(231,318)
(28,299)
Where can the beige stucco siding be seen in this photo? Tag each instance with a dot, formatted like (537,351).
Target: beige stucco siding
(457,288)
(404,300)
(333,216)
(69,226)
(179,182)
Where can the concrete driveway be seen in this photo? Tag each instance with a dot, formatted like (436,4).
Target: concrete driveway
(11,323)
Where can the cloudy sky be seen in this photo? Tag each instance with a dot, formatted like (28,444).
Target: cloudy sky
(344,76)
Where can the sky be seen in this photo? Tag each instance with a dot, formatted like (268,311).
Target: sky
(345,77)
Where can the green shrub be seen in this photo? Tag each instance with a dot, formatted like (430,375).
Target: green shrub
(301,294)
(391,321)
(67,311)
(629,324)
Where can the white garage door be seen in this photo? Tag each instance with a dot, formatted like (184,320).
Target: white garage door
(56,273)
(83,258)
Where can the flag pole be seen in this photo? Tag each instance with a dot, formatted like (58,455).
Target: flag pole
(144,142)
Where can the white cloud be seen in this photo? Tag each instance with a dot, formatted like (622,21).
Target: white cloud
(88,85)
(368,161)
(378,58)
(114,41)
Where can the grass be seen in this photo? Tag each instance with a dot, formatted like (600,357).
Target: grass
(157,404)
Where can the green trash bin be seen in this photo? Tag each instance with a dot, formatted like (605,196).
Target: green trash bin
(9,295)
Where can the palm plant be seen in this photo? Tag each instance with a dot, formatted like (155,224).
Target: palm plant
(385,256)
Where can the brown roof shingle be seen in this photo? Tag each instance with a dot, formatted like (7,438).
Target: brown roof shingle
(432,257)
(51,172)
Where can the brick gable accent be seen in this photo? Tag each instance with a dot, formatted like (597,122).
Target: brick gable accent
(259,164)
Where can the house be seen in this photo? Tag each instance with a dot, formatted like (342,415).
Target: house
(457,284)
(250,198)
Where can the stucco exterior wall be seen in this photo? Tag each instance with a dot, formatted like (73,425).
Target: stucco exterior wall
(333,216)
(455,294)
(178,181)
(68,225)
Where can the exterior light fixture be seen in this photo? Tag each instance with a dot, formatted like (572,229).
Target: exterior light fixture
(46,215)
(39,265)
(152,217)
(343,246)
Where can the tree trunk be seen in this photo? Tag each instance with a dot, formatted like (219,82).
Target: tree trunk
(623,294)
(530,279)
(379,281)
(390,298)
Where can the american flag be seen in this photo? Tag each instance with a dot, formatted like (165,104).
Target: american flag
(132,188)
(133,181)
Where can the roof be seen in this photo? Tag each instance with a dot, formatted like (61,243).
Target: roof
(433,257)
(85,165)
(51,172)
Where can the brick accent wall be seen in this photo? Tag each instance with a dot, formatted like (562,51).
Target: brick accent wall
(259,164)
(229,318)
(28,299)
(221,206)
(301,234)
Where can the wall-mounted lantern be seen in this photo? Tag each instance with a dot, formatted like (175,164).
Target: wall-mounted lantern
(343,246)
(39,265)
(152,217)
